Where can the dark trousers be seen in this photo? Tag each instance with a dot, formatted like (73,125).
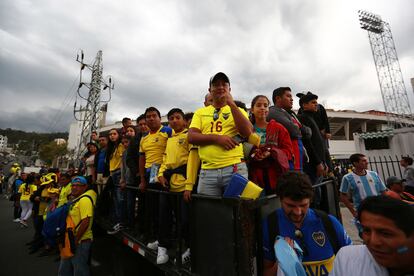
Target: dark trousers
(141,216)
(130,206)
(17,210)
(152,211)
(409,189)
(173,206)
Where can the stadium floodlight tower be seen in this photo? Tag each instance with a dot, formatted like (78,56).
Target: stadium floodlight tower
(88,114)
(394,93)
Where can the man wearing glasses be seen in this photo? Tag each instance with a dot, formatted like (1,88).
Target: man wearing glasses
(217,130)
(319,235)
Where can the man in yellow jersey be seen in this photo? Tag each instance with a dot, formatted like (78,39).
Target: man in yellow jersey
(82,214)
(217,129)
(65,188)
(151,150)
(172,176)
(41,199)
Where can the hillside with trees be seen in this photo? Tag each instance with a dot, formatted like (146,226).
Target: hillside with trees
(30,141)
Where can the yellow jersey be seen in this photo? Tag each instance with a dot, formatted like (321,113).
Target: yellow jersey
(26,193)
(214,156)
(116,158)
(176,155)
(82,209)
(65,191)
(153,146)
(43,204)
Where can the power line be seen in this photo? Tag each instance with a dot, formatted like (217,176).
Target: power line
(58,116)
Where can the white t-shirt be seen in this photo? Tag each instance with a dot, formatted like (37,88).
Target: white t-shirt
(356,260)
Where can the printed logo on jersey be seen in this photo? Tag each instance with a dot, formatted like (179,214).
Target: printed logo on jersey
(181,141)
(319,268)
(319,238)
(226,116)
(156,139)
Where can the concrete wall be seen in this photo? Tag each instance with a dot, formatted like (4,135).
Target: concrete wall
(385,162)
(341,149)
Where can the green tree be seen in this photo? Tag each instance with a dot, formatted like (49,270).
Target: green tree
(50,151)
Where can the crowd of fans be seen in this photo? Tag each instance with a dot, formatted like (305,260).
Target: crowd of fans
(282,152)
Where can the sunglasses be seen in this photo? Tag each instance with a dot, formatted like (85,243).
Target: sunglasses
(299,236)
(216,114)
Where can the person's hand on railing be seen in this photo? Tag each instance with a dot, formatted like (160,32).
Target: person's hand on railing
(163,181)
(320,170)
(187,196)
(142,186)
(122,184)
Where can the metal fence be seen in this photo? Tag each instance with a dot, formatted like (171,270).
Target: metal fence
(387,166)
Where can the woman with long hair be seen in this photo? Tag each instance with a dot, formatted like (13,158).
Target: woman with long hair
(114,158)
(90,162)
(271,159)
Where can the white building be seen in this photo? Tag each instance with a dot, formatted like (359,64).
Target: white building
(60,141)
(347,124)
(3,142)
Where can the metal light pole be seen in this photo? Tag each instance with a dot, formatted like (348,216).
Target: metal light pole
(393,91)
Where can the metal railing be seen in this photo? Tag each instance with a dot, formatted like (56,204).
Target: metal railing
(386,166)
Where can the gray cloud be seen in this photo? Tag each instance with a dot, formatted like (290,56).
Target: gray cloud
(163,53)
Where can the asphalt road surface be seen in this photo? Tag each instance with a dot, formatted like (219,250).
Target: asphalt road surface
(109,256)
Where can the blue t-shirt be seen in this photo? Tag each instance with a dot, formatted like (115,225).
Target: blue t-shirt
(101,161)
(362,187)
(320,254)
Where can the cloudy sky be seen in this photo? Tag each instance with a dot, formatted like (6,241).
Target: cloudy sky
(162,53)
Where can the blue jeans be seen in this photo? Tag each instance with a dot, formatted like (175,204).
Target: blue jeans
(78,264)
(119,199)
(213,182)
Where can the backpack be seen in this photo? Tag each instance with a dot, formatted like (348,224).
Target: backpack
(54,227)
(273,223)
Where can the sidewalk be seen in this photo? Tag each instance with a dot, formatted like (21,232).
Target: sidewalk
(349,226)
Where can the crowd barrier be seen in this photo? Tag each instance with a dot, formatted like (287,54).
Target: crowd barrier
(226,234)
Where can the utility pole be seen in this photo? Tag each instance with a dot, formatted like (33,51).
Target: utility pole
(394,93)
(88,113)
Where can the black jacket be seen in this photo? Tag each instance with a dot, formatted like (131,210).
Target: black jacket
(315,145)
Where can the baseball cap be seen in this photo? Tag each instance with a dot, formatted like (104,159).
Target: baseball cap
(79,180)
(393,180)
(305,98)
(219,76)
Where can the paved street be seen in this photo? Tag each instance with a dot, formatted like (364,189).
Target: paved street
(15,259)
(349,226)
(109,256)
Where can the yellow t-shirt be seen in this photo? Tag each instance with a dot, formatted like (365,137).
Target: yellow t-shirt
(43,204)
(214,156)
(82,209)
(153,146)
(176,155)
(64,193)
(116,158)
(26,193)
